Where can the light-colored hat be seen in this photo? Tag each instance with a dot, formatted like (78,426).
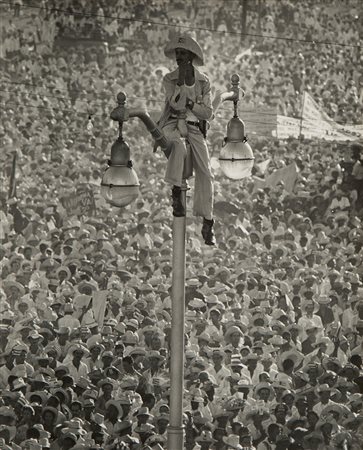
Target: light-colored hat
(205,436)
(51,409)
(117,405)
(44,442)
(77,347)
(294,355)
(324,299)
(277,340)
(104,382)
(232,441)
(145,428)
(144,411)
(322,340)
(264,385)
(35,335)
(188,43)
(19,383)
(7,284)
(323,388)
(32,444)
(231,330)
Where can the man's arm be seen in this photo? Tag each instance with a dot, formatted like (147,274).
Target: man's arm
(203,108)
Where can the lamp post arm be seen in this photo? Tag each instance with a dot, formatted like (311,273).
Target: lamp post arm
(234,95)
(151,125)
(122,113)
(229,95)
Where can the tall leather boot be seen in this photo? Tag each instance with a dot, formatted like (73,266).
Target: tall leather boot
(178,207)
(207,232)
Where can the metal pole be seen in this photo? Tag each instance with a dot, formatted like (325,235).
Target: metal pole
(12,184)
(302,115)
(176,428)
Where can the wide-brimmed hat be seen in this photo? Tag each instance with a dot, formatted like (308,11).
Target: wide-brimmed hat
(234,404)
(104,382)
(277,340)
(19,383)
(42,395)
(75,426)
(145,428)
(51,409)
(70,435)
(8,284)
(7,411)
(99,419)
(205,436)
(347,368)
(155,354)
(117,405)
(188,43)
(144,411)
(31,444)
(39,378)
(232,441)
(264,385)
(324,300)
(231,330)
(77,347)
(35,336)
(322,340)
(294,355)
(323,388)
(86,284)
(257,412)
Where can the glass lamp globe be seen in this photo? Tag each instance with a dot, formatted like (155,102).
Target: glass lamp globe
(120,185)
(236,160)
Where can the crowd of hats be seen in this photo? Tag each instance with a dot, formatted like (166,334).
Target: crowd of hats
(276,72)
(274,314)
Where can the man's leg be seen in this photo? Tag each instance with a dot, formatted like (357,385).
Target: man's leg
(175,167)
(203,186)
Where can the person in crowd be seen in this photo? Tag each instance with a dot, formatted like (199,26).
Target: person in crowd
(188,107)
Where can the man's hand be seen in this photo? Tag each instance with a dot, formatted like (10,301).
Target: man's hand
(189,75)
(182,73)
(156,146)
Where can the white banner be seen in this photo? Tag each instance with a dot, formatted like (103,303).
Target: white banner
(313,111)
(315,123)
(287,127)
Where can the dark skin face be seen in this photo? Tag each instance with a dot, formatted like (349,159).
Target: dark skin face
(183,56)
(264,394)
(184,60)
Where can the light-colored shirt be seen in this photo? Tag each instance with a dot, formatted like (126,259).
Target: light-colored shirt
(82,370)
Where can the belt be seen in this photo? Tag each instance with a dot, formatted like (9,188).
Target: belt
(189,122)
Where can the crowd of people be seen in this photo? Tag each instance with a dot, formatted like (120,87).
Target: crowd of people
(274,313)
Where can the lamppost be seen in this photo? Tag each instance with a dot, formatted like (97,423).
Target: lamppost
(120,187)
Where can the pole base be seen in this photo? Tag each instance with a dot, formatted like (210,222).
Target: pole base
(175,438)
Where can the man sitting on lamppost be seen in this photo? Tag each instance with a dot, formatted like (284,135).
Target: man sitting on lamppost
(183,121)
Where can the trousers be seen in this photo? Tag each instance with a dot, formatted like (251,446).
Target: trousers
(187,155)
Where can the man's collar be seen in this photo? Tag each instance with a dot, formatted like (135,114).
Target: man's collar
(198,75)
